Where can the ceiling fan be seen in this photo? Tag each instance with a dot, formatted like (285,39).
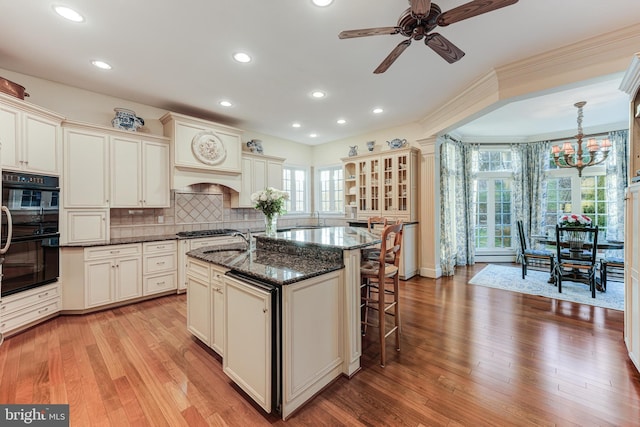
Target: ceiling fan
(422,17)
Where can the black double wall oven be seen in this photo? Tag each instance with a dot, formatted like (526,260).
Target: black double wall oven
(30,233)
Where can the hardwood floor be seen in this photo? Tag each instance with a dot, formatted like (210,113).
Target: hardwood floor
(470,356)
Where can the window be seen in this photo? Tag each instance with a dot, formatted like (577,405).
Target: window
(294,181)
(568,193)
(331,190)
(493,199)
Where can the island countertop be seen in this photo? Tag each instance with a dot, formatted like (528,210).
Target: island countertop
(291,256)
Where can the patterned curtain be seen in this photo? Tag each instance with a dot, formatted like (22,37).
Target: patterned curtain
(457,244)
(616,171)
(530,163)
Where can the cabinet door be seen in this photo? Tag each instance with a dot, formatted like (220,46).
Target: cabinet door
(247,347)
(126,176)
(99,282)
(155,174)
(85,226)
(217,315)
(9,137)
(128,278)
(246,186)
(259,174)
(41,144)
(198,309)
(369,186)
(274,174)
(86,169)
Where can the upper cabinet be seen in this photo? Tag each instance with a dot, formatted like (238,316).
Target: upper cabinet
(201,148)
(383,184)
(258,172)
(140,173)
(30,137)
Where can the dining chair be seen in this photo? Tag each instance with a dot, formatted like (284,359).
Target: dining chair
(529,255)
(581,265)
(610,265)
(380,283)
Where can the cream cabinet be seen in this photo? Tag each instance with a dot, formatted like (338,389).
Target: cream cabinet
(383,184)
(258,172)
(248,333)
(140,173)
(112,274)
(631,85)
(24,309)
(205,303)
(159,266)
(30,137)
(82,226)
(86,168)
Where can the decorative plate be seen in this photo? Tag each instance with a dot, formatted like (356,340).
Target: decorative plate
(208,148)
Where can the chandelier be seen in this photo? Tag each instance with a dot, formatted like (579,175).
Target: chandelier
(568,157)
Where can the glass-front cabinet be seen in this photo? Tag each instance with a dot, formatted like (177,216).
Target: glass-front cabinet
(385,184)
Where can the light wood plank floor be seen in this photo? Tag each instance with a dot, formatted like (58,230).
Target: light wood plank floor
(470,356)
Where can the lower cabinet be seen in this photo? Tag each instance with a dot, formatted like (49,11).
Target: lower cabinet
(205,303)
(112,274)
(159,266)
(248,345)
(21,310)
(187,245)
(81,226)
(409,252)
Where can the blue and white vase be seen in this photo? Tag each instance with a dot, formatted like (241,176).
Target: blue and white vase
(126,120)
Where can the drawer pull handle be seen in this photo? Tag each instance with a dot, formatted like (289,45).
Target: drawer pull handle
(43,295)
(115,252)
(43,310)
(160,263)
(160,283)
(160,247)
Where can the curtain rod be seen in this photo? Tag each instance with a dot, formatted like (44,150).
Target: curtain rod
(543,140)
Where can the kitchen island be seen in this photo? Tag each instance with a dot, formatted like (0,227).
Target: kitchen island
(284,317)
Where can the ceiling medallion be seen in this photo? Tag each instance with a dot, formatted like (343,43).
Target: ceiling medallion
(208,148)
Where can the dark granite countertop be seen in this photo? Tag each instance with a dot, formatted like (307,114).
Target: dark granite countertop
(272,267)
(344,238)
(141,239)
(364,223)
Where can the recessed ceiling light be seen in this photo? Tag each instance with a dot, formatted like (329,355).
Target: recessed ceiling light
(322,3)
(101,64)
(225,103)
(68,13)
(296,125)
(241,57)
(377,110)
(313,135)
(318,94)
(341,121)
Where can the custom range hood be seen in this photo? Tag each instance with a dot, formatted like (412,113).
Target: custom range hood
(203,152)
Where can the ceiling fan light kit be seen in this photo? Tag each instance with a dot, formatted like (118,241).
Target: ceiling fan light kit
(422,17)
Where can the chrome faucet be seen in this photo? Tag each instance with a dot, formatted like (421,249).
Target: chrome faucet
(318,213)
(247,238)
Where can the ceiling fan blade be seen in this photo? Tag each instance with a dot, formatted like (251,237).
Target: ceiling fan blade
(443,47)
(364,32)
(390,59)
(471,9)
(420,8)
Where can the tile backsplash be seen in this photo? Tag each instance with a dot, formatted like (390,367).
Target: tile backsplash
(198,207)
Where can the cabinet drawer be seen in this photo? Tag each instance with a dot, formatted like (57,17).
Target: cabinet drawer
(31,314)
(17,302)
(156,247)
(198,269)
(159,263)
(161,283)
(113,251)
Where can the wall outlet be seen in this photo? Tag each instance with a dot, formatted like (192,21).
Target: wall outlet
(246,217)
(160,219)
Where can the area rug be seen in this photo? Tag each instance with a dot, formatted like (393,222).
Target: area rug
(535,283)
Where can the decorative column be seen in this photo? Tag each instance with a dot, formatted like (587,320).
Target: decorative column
(429,190)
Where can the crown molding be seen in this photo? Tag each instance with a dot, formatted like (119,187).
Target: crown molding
(588,59)
(631,80)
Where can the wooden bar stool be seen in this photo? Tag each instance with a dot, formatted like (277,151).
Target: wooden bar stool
(380,283)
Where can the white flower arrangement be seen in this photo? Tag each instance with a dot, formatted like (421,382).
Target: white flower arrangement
(270,201)
(574,220)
